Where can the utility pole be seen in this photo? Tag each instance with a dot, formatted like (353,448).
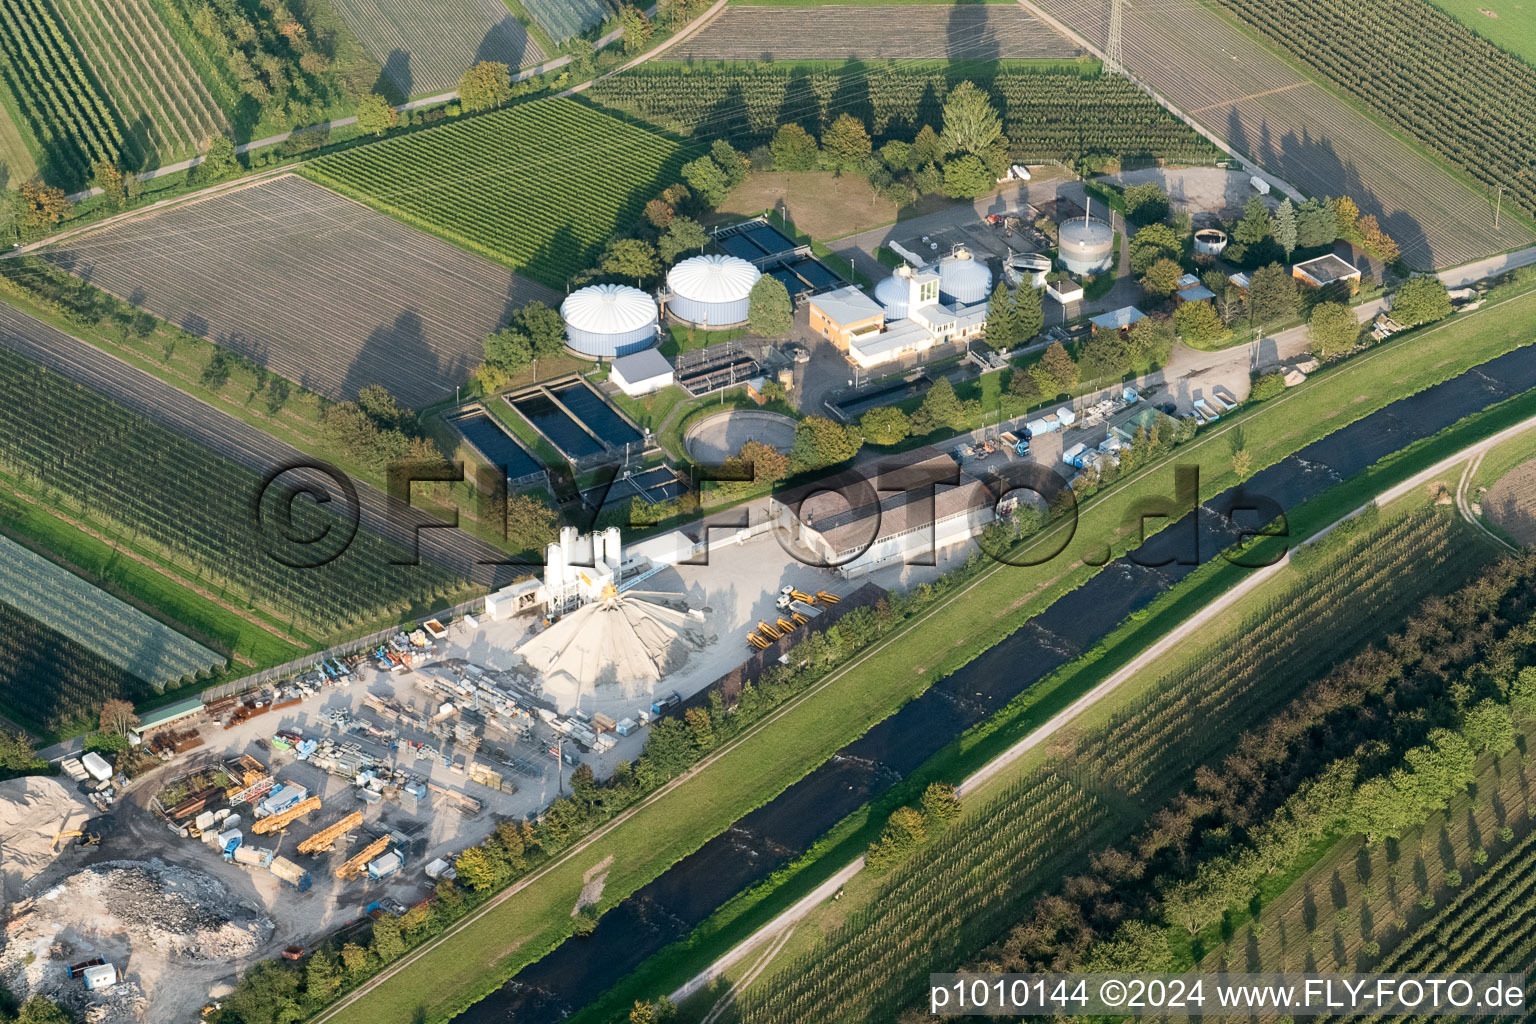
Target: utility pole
(1498,202)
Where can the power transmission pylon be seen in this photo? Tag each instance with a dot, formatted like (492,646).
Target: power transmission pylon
(1112,42)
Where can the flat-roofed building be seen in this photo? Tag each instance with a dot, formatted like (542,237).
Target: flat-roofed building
(915,506)
(1327,270)
(845,315)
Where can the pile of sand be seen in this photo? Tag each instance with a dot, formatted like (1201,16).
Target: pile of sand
(32,812)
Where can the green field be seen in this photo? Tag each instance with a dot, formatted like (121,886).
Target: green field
(482,952)
(1051,109)
(165,106)
(55,95)
(1507,23)
(540,186)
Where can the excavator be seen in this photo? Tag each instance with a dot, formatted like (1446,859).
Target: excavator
(86,838)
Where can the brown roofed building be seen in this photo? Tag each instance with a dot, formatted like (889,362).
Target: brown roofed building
(903,509)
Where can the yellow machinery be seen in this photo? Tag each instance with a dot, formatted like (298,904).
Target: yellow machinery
(355,864)
(326,837)
(802,598)
(785,626)
(768,631)
(758,642)
(799,619)
(826,598)
(86,838)
(282,819)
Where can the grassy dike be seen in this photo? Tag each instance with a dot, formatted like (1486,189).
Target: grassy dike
(751,910)
(471,960)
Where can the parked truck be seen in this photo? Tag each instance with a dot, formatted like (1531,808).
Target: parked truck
(253,856)
(229,842)
(291,873)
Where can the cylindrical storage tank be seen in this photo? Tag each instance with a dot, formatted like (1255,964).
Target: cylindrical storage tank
(711,291)
(964,279)
(1210,242)
(608,320)
(1086,246)
(894,293)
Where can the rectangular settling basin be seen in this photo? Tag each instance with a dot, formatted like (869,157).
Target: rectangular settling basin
(492,440)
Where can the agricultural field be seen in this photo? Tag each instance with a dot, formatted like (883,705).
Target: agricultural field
(69,119)
(1358,898)
(1422,71)
(424,47)
(540,186)
(163,104)
(1510,503)
(49,681)
(968,32)
(332,295)
(119,633)
(104,463)
(1133,762)
(1052,112)
(563,19)
(1510,24)
(1297,129)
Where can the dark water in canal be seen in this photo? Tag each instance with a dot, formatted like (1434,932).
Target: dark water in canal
(668,909)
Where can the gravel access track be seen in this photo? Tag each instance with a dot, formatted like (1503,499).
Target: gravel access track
(969,32)
(1294,127)
(236,440)
(311,285)
(426,45)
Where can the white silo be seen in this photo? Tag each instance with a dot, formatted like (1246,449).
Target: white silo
(711,291)
(964,279)
(609,320)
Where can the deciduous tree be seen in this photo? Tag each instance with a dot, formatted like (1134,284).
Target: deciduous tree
(885,425)
(376,115)
(820,442)
(683,234)
(1272,294)
(770,313)
(1422,300)
(846,142)
(485,85)
(1333,329)
(632,258)
(1161,279)
(1198,323)
(1152,243)
(117,717)
(794,149)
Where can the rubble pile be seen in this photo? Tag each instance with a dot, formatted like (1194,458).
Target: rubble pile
(149,919)
(183,913)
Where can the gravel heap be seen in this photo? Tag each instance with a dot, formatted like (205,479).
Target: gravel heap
(181,912)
